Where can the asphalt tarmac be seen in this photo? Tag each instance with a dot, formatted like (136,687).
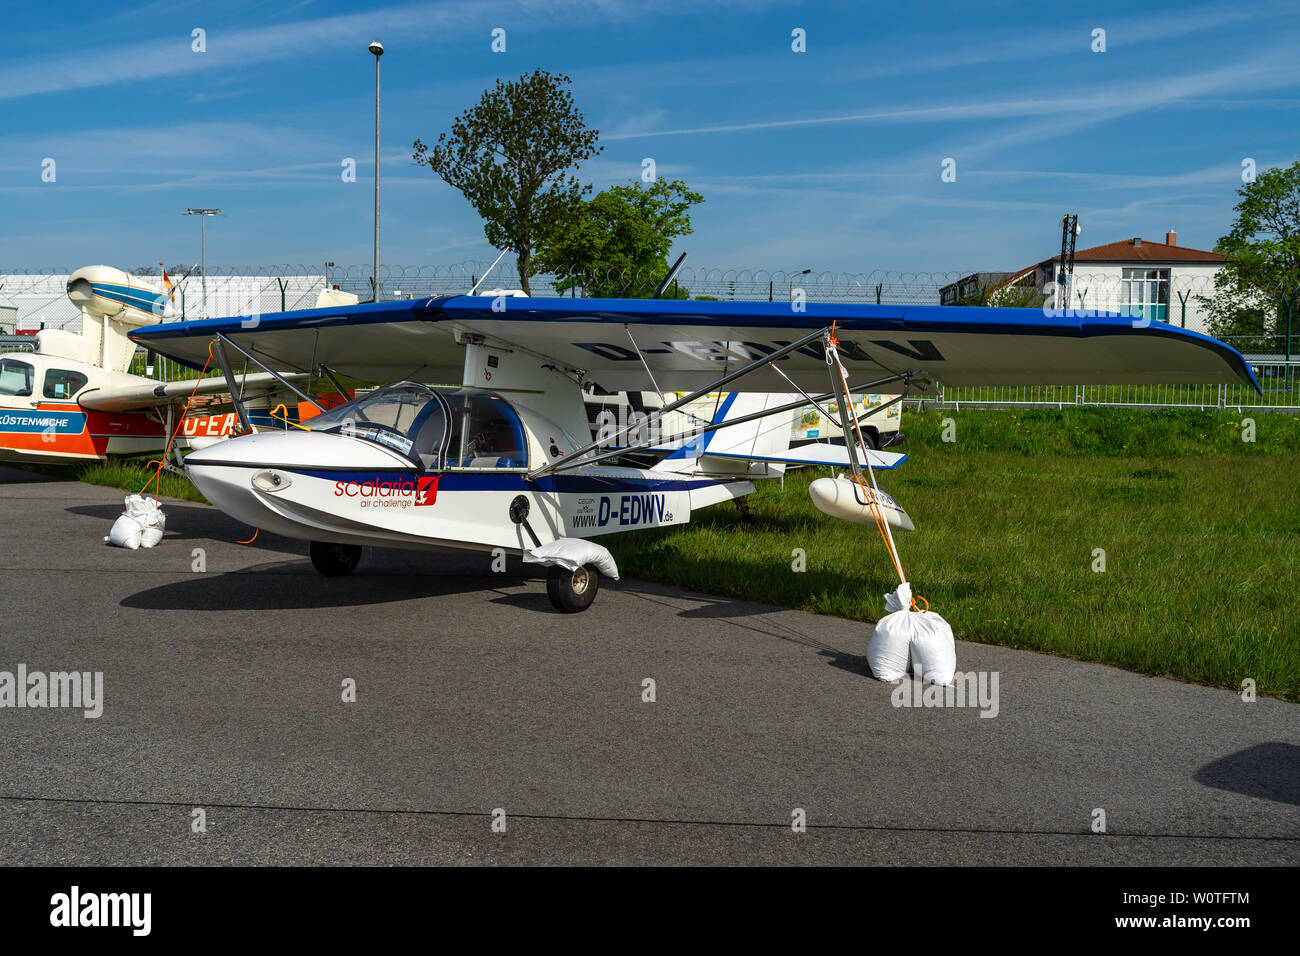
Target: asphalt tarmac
(477,704)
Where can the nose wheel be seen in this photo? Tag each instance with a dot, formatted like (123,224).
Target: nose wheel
(335,560)
(572,591)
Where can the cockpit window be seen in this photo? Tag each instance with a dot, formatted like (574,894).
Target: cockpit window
(387,416)
(485,432)
(15,377)
(439,428)
(60,383)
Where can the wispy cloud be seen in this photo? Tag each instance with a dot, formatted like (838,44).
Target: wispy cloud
(1259,71)
(854,62)
(227,49)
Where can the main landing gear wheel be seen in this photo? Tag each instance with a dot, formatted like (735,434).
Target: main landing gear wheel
(335,560)
(572,591)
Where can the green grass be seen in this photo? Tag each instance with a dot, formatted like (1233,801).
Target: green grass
(127,474)
(1201,533)
(131,476)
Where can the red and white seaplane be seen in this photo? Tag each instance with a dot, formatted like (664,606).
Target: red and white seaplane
(72,400)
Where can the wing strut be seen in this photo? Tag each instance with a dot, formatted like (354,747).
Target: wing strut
(905,376)
(236,394)
(711,387)
(221,339)
(840,382)
(645,365)
(325,370)
(568,463)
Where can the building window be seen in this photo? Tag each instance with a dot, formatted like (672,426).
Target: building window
(1145,294)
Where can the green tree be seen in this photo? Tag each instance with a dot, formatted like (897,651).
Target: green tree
(1008,295)
(617,242)
(512,157)
(1260,281)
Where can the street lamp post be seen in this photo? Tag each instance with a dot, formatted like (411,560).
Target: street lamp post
(203,215)
(377,49)
(795,276)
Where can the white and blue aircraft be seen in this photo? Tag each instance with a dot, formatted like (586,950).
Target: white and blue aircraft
(501,458)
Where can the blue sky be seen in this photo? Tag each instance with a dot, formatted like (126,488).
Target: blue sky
(829,159)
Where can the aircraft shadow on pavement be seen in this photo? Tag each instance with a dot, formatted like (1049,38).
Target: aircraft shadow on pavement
(295,585)
(531,601)
(1267,771)
(20,476)
(756,618)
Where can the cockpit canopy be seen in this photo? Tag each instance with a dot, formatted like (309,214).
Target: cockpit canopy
(440,428)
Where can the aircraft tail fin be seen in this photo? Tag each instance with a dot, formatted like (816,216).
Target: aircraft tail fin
(753,449)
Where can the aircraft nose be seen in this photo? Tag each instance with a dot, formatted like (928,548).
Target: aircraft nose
(297,449)
(254,478)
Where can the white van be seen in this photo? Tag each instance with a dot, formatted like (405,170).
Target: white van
(880,428)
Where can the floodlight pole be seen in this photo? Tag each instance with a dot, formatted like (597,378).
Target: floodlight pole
(377,49)
(203,214)
(795,276)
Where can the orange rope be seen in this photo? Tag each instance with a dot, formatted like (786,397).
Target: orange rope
(876,511)
(285,419)
(180,424)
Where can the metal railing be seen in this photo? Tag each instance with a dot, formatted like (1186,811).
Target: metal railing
(1281,392)
(17,343)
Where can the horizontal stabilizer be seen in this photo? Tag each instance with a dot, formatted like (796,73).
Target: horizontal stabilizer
(823,454)
(167,393)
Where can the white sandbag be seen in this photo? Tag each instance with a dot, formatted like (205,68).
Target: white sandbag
(926,638)
(890,646)
(934,651)
(139,526)
(125,532)
(150,516)
(573,553)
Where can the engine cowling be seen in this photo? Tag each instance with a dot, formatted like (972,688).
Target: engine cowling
(104,291)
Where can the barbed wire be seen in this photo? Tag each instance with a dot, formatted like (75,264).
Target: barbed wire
(741,278)
(269,288)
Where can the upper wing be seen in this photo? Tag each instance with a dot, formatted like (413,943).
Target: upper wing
(166,393)
(689,344)
(376,342)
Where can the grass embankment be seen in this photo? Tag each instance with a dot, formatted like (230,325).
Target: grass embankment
(131,476)
(1201,534)
(127,474)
